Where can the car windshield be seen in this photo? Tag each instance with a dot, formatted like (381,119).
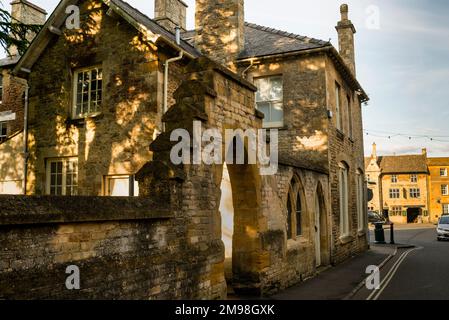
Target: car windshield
(444,220)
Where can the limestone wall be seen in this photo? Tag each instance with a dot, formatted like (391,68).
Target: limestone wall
(114,141)
(349,149)
(303,139)
(125,248)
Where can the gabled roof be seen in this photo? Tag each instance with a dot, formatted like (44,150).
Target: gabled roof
(148,27)
(403,164)
(438,162)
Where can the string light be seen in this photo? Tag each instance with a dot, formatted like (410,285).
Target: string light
(391,135)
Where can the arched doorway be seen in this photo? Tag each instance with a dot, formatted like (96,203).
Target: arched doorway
(239,210)
(322,256)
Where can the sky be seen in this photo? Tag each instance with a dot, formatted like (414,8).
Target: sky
(402,58)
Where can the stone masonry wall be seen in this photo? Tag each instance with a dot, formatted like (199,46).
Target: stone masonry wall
(115,141)
(125,248)
(343,147)
(220,29)
(303,139)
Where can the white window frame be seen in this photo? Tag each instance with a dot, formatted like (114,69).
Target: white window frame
(394,178)
(443,172)
(266,123)
(338,111)
(345,229)
(445,190)
(360,184)
(394,193)
(414,178)
(396,211)
(64,161)
(133,190)
(445,208)
(76,74)
(415,193)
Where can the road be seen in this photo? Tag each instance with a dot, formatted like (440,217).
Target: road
(423,274)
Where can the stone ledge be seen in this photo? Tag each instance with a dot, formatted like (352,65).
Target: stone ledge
(25,210)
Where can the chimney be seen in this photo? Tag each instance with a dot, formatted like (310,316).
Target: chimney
(27,13)
(170,14)
(220,27)
(374,152)
(424,152)
(346,31)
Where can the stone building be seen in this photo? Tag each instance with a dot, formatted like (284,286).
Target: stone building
(373,171)
(438,187)
(98,99)
(12,101)
(402,186)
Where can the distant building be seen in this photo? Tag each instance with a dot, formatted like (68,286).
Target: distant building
(400,185)
(12,101)
(438,187)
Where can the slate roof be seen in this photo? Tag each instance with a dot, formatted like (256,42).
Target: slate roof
(403,164)
(264,41)
(438,162)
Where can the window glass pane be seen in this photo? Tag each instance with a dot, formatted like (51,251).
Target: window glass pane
(63,177)
(118,186)
(88,92)
(277,112)
(289,218)
(265,108)
(263,89)
(298,215)
(276,89)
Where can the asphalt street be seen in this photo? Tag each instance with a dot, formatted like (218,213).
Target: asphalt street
(417,274)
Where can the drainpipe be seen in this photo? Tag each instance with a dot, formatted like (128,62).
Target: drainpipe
(247,69)
(166,65)
(25,141)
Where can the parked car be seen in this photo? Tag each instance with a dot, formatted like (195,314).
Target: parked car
(443,228)
(374,217)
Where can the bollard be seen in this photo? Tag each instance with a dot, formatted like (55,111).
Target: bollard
(392,233)
(379,235)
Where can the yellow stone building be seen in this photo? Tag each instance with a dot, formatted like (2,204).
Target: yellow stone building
(400,186)
(438,187)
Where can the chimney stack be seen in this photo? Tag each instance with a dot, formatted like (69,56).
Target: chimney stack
(27,13)
(424,152)
(220,28)
(171,14)
(374,152)
(346,31)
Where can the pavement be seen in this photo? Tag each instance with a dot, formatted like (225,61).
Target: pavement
(338,282)
(416,267)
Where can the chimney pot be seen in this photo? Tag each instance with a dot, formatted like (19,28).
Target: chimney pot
(344,9)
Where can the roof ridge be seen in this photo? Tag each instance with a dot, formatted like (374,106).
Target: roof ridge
(285,33)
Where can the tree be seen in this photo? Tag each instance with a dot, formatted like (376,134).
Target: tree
(14,33)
